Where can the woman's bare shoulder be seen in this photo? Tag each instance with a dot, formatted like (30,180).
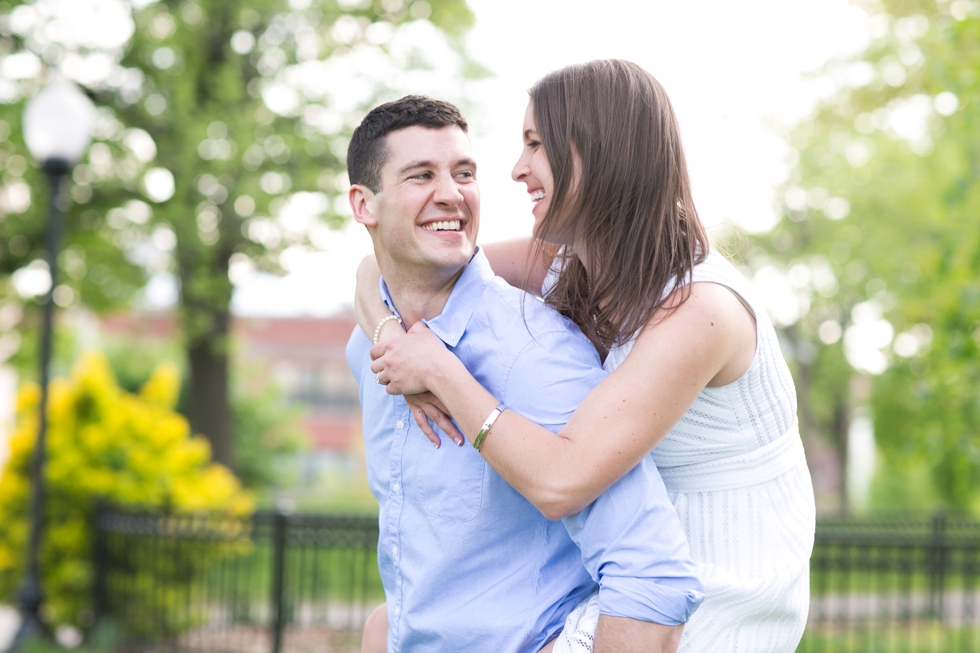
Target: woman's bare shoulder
(703,326)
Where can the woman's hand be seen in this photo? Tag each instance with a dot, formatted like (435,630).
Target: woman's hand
(426,406)
(405,365)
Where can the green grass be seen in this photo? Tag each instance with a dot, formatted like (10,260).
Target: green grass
(916,637)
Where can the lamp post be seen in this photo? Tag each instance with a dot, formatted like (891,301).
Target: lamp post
(57,129)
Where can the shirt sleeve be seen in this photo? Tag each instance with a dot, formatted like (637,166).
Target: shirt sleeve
(631,538)
(358,354)
(633,546)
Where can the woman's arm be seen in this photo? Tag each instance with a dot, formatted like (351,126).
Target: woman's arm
(369,308)
(707,340)
(519,263)
(510,259)
(370,311)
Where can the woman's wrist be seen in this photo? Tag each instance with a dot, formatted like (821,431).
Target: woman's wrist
(466,399)
(388,330)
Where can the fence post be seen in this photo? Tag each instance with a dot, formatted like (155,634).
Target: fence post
(99,564)
(938,576)
(279,524)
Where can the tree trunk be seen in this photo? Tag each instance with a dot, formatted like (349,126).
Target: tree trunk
(210,406)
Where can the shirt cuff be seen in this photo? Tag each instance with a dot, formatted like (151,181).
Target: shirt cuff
(634,598)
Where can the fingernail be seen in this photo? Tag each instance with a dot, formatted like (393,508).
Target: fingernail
(459,441)
(435,444)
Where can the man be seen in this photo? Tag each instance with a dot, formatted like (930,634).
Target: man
(467,563)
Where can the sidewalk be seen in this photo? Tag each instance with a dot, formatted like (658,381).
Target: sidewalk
(9,620)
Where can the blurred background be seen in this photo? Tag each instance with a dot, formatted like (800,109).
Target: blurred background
(205,274)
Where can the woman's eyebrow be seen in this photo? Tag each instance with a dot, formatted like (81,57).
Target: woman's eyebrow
(529,132)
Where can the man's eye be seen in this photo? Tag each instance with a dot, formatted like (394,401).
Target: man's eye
(422,175)
(468,174)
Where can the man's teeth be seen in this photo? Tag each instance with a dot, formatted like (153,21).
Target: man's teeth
(537,196)
(445,225)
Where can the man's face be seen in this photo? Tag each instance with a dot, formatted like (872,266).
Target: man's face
(426,217)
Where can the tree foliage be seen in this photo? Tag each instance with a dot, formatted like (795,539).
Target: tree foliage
(880,237)
(267,427)
(103,444)
(220,144)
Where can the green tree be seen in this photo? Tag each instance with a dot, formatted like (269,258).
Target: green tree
(880,234)
(221,141)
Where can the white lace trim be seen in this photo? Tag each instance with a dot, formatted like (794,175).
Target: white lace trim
(579,633)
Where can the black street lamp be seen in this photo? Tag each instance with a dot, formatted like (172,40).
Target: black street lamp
(57,129)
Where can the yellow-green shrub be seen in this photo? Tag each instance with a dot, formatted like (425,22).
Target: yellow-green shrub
(103,443)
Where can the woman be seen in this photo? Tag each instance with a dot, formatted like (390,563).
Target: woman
(696,375)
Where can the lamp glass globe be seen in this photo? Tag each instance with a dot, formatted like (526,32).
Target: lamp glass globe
(58,121)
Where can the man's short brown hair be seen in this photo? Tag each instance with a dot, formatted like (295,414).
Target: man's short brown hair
(368,153)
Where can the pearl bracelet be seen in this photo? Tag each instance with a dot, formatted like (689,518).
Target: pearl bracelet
(384,321)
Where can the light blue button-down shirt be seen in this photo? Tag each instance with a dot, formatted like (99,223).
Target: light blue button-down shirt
(468,564)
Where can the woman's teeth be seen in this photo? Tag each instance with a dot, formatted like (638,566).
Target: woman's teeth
(537,196)
(445,225)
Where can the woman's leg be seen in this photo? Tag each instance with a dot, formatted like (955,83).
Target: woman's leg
(375,639)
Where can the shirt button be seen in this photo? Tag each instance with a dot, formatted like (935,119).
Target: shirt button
(396,487)
(398,609)
(394,550)
(399,425)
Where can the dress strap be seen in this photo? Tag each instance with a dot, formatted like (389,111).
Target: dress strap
(741,470)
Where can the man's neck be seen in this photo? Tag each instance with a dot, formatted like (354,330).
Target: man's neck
(419,296)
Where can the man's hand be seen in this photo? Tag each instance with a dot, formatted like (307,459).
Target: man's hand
(621,635)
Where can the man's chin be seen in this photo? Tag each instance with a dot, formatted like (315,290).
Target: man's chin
(454,262)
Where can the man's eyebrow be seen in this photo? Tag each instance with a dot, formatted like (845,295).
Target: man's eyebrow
(411,165)
(422,163)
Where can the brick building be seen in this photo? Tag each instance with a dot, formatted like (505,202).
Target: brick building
(306,357)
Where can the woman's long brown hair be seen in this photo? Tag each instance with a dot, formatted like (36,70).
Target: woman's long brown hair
(632,205)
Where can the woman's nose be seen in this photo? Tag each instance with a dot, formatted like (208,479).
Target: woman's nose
(520,170)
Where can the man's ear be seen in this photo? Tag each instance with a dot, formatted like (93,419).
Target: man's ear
(362,203)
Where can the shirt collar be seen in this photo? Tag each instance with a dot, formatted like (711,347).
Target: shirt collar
(466,295)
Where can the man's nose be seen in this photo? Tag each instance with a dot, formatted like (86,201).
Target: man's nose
(447,191)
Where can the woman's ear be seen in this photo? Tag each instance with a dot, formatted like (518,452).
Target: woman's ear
(362,203)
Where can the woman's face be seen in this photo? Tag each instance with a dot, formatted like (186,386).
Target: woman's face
(534,171)
(532,167)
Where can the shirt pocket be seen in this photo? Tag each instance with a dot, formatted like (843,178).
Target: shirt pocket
(449,480)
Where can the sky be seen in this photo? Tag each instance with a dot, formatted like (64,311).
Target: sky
(740,75)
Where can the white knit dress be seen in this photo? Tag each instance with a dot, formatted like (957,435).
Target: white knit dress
(735,471)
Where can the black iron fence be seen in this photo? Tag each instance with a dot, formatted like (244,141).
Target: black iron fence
(272,583)
(895,585)
(276,584)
